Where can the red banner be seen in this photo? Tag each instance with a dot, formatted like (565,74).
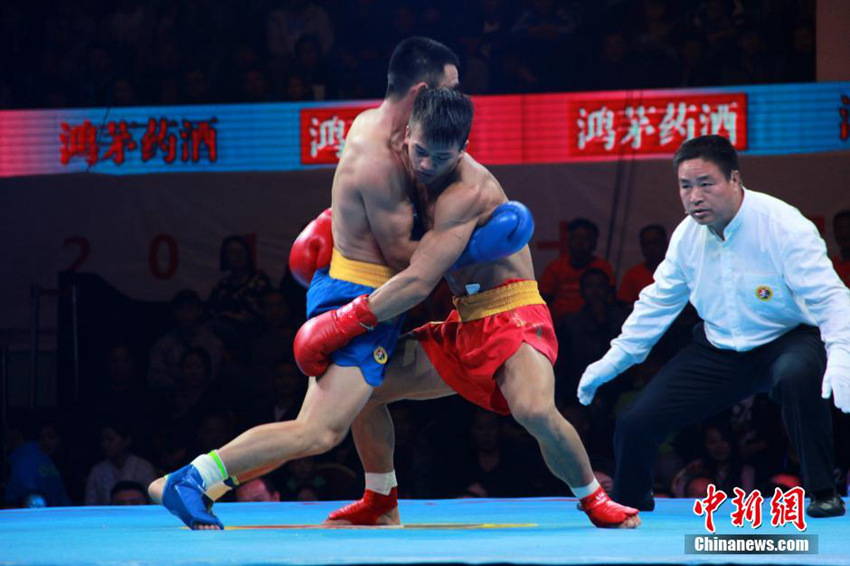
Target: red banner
(552,128)
(657,125)
(323,132)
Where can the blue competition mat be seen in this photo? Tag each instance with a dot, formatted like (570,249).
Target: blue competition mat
(460,531)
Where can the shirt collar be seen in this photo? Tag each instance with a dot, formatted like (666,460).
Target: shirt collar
(735,223)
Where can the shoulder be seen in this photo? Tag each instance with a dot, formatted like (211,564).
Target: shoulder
(463,201)
(686,231)
(783,221)
(373,164)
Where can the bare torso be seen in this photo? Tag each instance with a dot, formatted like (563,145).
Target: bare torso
(372,211)
(470,173)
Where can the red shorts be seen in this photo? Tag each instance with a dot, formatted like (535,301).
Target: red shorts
(482,332)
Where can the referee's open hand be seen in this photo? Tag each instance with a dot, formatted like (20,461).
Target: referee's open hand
(596,374)
(836,382)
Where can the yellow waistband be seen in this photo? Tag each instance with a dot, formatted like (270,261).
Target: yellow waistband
(500,299)
(359,272)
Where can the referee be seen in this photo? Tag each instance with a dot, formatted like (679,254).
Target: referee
(757,272)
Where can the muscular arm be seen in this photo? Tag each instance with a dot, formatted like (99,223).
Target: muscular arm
(455,217)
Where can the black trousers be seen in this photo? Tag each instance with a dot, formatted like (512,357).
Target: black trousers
(703,380)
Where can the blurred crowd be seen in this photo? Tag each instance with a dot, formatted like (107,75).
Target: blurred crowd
(92,53)
(226,365)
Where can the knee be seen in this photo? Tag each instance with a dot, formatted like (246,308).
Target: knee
(792,374)
(535,418)
(324,439)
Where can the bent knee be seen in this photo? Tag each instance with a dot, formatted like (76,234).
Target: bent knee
(535,418)
(324,439)
(796,372)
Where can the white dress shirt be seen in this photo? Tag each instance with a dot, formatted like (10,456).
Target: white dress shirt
(770,274)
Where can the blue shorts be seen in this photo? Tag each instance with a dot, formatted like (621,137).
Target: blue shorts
(370,351)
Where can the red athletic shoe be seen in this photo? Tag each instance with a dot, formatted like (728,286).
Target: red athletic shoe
(367,510)
(605,512)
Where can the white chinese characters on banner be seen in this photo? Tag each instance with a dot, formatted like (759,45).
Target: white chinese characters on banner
(327,134)
(596,125)
(651,127)
(639,125)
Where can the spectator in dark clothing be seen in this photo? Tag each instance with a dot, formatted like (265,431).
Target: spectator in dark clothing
(33,476)
(487,468)
(234,303)
(584,337)
(188,332)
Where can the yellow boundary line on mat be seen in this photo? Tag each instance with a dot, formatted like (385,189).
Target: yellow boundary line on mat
(411,526)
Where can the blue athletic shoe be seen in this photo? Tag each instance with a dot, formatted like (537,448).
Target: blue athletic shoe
(184,497)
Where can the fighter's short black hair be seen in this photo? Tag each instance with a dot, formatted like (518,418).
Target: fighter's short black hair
(713,148)
(417,59)
(443,116)
(580,222)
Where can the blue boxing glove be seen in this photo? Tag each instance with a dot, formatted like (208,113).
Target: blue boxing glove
(507,232)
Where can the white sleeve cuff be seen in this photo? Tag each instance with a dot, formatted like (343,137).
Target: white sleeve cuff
(618,359)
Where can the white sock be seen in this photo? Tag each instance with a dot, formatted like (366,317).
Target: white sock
(211,468)
(582,492)
(381,483)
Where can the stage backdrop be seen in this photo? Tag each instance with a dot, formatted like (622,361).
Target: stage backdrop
(144,196)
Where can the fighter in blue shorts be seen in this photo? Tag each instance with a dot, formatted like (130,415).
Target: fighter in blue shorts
(341,283)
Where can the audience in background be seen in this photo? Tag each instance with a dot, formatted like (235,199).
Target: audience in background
(136,53)
(119,464)
(129,493)
(234,303)
(559,283)
(841,231)
(584,336)
(720,464)
(33,479)
(261,489)
(653,246)
(188,332)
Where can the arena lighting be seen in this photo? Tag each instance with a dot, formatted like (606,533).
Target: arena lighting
(514,129)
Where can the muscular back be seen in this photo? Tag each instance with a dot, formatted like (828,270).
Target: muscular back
(372,211)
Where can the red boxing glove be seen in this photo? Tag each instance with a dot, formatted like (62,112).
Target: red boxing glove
(605,512)
(322,335)
(312,249)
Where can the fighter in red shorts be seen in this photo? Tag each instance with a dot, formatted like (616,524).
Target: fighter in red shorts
(497,347)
